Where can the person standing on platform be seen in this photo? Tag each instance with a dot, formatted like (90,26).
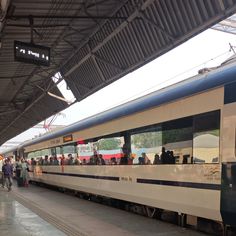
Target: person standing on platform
(101,161)
(164,156)
(18,168)
(3,179)
(7,171)
(70,159)
(24,172)
(125,157)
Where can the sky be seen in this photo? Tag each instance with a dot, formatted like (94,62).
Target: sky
(207,49)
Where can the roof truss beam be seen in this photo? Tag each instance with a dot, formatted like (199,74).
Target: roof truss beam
(149,21)
(135,14)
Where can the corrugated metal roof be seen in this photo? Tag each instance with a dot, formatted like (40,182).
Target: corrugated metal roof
(93,43)
(152,28)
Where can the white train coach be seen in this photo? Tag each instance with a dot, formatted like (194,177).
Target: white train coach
(194,120)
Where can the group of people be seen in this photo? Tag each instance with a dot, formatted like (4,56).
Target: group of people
(96,159)
(21,173)
(144,160)
(53,160)
(166,157)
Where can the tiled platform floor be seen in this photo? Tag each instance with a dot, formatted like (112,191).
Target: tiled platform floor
(16,220)
(76,216)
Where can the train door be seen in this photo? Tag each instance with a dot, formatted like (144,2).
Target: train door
(228,138)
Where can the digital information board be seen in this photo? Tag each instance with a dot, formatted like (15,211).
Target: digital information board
(31,53)
(67,138)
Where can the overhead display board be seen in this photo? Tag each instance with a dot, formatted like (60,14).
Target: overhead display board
(67,138)
(31,53)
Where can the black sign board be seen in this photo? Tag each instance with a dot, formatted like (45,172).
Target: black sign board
(32,53)
(67,138)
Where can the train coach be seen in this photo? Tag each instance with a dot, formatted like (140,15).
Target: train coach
(194,120)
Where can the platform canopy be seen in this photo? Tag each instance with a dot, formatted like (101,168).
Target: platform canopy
(92,43)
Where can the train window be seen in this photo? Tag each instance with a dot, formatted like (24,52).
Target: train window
(45,152)
(69,149)
(145,145)
(206,138)
(110,149)
(177,137)
(59,150)
(207,121)
(30,155)
(85,151)
(53,151)
(151,128)
(38,153)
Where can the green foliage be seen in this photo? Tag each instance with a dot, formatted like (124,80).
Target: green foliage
(215,132)
(155,139)
(109,144)
(177,135)
(147,140)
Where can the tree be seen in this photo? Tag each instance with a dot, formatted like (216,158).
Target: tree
(109,144)
(177,135)
(160,138)
(147,140)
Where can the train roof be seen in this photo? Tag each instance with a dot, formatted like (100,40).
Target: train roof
(208,78)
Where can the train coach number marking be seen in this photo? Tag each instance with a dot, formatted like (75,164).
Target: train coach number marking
(126,178)
(212,173)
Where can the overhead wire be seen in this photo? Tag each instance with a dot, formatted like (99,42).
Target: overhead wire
(143,92)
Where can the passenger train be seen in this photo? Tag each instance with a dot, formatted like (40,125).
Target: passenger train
(195,120)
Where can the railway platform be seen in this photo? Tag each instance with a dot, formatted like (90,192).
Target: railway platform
(17,220)
(41,211)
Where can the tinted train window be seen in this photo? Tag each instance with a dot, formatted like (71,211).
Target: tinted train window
(46,152)
(59,151)
(110,149)
(229,94)
(177,137)
(38,153)
(53,151)
(146,145)
(69,149)
(85,151)
(31,155)
(206,138)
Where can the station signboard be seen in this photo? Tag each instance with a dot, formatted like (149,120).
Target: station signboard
(67,138)
(31,53)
